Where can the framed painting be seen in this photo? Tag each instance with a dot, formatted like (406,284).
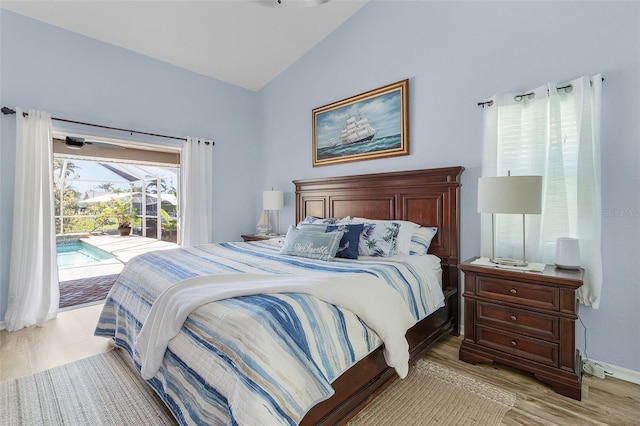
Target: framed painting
(363,127)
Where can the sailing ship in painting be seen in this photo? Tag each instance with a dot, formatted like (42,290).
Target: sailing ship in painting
(356,130)
(351,130)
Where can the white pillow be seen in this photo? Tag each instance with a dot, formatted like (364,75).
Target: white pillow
(403,240)
(421,240)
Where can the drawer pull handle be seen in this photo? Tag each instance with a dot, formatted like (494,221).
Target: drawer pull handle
(514,318)
(514,291)
(514,343)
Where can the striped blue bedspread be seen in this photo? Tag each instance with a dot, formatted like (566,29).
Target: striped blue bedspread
(263,346)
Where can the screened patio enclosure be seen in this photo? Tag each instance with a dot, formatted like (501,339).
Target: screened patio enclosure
(149,190)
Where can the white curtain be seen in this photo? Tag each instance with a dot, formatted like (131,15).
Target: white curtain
(34,293)
(196,178)
(552,131)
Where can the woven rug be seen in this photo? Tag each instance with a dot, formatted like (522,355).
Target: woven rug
(104,389)
(85,290)
(100,390)
(434,395)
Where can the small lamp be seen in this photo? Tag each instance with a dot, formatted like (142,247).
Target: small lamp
(510,195)
(273,200)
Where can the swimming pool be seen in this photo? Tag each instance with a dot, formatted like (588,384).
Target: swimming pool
(79,254)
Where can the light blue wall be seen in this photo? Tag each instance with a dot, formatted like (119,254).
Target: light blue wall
(456,54)
(79,78)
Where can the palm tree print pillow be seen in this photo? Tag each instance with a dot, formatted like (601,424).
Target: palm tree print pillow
(378,239)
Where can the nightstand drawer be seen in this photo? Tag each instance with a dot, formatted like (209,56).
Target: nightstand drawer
(518,345)
(517,320)
(525,320)
(537,296)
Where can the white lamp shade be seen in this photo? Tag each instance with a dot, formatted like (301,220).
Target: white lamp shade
(272,200)
(510,194)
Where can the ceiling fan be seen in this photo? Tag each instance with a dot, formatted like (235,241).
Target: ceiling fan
(279,3)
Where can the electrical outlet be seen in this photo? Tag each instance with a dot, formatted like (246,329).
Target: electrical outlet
(593,369)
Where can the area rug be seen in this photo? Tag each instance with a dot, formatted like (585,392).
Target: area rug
(100,390)
(105,389)
(434,395)
(85,290)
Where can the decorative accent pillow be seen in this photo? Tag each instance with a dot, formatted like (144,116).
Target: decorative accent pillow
(350,241)
(421,240)
(317,220)
(378,239)
(312,227)
(403,241)
(314,245)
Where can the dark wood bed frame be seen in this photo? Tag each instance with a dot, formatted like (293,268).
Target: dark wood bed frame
(428,197)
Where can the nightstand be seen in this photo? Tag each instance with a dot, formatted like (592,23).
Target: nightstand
(525,320)
(256,237)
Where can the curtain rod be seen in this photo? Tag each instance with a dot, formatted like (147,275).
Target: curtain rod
(489,103)
(9,111)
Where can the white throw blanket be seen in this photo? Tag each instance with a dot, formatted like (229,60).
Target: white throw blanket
(369,297)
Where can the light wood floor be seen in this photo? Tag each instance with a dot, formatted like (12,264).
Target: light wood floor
(607,401)
(65,339)
(610,401)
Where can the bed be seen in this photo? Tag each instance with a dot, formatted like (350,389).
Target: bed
(318,353)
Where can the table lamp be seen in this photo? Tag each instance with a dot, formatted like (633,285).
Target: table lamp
(273,200)
(509,195)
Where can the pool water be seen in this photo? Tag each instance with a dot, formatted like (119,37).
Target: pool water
(79,254)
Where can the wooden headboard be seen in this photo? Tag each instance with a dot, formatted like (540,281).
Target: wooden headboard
(428,197)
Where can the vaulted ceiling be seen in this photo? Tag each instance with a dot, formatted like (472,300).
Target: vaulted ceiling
(243,42)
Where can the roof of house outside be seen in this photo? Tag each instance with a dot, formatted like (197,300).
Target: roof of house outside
(136,197)
(136,172)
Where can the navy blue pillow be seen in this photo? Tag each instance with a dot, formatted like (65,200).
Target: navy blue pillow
(348,247)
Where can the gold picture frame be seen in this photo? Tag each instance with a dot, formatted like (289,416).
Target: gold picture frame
(368,126)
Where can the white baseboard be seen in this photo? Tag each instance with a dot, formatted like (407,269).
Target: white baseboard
(618,372)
